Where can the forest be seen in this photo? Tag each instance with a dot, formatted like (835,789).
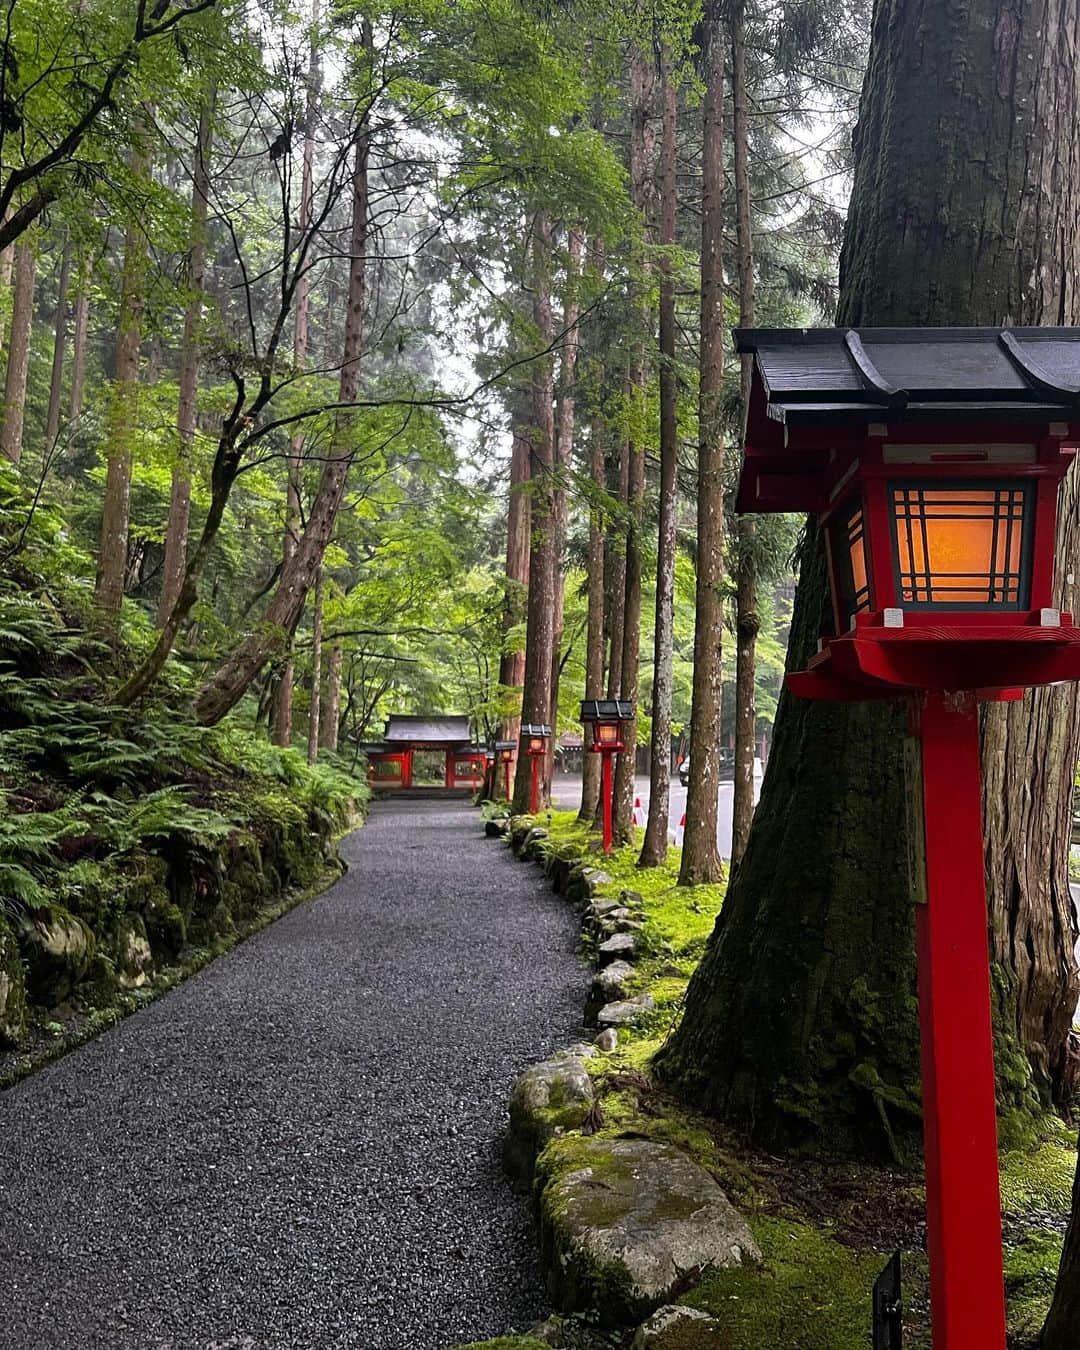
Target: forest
(366,360)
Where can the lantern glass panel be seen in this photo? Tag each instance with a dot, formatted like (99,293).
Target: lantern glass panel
(608,733)
(962,545)
(849,560)
(536,745)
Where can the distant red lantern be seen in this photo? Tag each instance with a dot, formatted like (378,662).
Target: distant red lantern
(931,459)
(536,738)
(604,720)
(504,753)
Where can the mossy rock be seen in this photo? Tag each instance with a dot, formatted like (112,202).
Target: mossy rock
(676,1327)
(131,953)
(165,927)
(506,1343)
(12,988)
(57,948)
(548,1099)
(628,1224)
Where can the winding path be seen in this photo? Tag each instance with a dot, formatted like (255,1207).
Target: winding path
(300,1146)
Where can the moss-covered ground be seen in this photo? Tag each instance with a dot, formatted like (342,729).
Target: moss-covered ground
(825,1229)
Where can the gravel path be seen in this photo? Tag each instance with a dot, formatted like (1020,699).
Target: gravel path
(300,1146)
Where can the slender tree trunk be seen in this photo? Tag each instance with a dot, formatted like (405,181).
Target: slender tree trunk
(18,363)
(783,1032)
(316,670)
(330,719)
(56,380)
(747,621)
(123,415)
(539,634)
(271,637)
(7,266)
(701,855)
(654,849)
(594,639)
(281,713)
(564,447)
(512,661)
(78,351)
(180,494)
(642,164)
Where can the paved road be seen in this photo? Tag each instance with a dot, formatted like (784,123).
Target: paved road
(298,1148)
(566,792)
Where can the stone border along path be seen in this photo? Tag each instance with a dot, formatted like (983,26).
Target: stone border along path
(300,1147)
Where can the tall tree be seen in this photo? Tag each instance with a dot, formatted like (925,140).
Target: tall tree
(60,331)
(654,849)
(785,1030)
(747,621)
(18,362)
(540,618)
(701,853)
(518,528)
(176,531)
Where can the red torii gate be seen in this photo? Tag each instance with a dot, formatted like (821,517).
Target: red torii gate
(390,761)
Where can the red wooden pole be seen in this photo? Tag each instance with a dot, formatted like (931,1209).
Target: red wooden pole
(609,833)
(534,786)
(963,1200)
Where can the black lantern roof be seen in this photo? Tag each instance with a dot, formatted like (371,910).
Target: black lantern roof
(866,374)
(506,745)
(535,729)
(606,710)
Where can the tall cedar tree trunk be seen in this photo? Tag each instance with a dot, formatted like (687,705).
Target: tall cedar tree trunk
(316,670)
(123,418)
(747,621)
(564,447)
(701,855)
(539,633)
(180,493)
(60,333)
(330,717)
(78,351)
(800,1024)
(594,634)
(515,605)
(271,637)
(642,164)
(18,362)
(7,266)
(281,710)
(654,849)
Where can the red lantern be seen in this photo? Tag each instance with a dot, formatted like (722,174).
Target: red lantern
(535,737)
(931,459)
(604,719)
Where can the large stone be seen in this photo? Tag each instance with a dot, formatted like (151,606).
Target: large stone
(618,947)
(628,1224)
(676,1328)
(12,988)
(548,1099)
(585,882)
(131,952)
(609,983)
(57,948)
(625,1012)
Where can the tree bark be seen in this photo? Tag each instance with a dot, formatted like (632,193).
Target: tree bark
(564,448)
(56,379)
(747,622)
(78,351)
(281,710)
(18,362)
(700,855)
(330,718)
(654,849)
(176,532)
(800,1024)
(271,637)
(515,604)
(123,413)
(539,630)
(642,165)
(594,639)
(316,670)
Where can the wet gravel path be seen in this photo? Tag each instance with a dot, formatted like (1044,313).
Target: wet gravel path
(300,1146)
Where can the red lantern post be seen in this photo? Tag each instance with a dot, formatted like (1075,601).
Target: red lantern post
(535,737)
(932,458)
(603,719)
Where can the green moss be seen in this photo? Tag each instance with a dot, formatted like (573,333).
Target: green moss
(1039,1179)
(1030,1274)
(506,1343)
(811,1293)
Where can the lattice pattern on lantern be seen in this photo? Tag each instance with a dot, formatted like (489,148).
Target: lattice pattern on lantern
(849,560)
(963,545)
